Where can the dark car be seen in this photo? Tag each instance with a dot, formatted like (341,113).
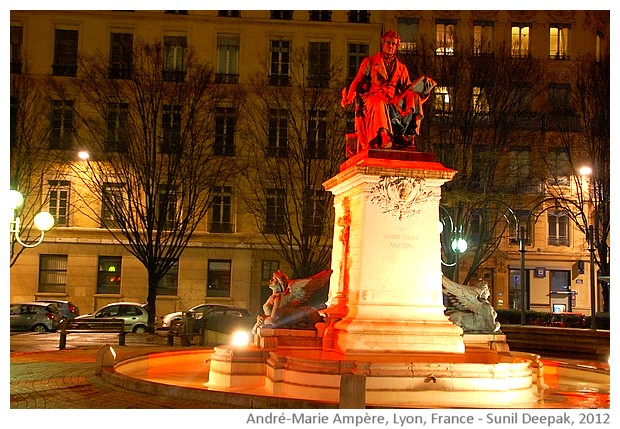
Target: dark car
(134,314)
(35,316)
(199,311)
(67,308)
(225,319)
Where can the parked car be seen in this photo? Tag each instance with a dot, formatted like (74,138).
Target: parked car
(134,314)
(67,308)
(199,311)
(226,319)
(35,316)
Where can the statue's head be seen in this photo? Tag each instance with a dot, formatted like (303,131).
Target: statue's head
(279,282)
(389,43)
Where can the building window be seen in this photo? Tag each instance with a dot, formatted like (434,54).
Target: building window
(445,30)
(317,134)
(112,202)
(65,53)
(282,14)
(520,40)
(358,16)
(483,38)
(229,13)
(109,279)
(218,277)
(280,62)
(61,133)
(442,102)
(560,98)
(116,136)
(559,166)
(558,228)
(356,54)
(52,273)
(480,100)
(558,41)
(169,283)
(227,59)
(268,267)
(319,60)
(167,204)
(17,39)
(277,139)
(225,123)
(59,201)
(525,223)
(174,62)
(121,56)
(520,161)
(221,210)
(315,208)
(275,211)
(320,15)
(409,32)
(171,126)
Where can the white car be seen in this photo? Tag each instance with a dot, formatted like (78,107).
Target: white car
(200,310)
(134,314)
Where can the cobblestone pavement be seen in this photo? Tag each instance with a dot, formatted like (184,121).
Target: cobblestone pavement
(65,379)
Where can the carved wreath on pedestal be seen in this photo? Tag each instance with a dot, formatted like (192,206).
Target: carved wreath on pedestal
(400,196)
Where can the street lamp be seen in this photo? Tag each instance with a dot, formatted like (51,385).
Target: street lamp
(459,245)
(43,221)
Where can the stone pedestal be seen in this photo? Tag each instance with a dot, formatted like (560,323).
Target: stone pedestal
(385,291)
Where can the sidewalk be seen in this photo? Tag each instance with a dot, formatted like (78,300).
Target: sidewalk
(65,379)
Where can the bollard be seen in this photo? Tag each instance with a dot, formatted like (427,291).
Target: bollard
(106,356)
(352,391)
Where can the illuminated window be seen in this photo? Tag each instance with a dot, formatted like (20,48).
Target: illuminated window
(520,45)
(109,280)
(441,101)
(445,31)
(480,100)
(558,41)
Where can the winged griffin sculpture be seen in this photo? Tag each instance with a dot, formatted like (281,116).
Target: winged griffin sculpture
(472,310)
(285,306)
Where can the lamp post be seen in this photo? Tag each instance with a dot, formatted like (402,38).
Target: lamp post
(459,245)
(592,278)
(521,236)
(43,221)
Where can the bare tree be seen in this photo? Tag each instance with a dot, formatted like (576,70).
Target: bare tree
(31,162)
(477,123)
(295,141)
(584,130)
(152,168)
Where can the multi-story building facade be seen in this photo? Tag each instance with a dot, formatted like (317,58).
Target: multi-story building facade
(227,259)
